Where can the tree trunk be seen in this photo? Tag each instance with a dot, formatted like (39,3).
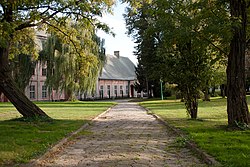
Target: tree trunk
(191,104)
(192,107)
(206,94)
(12,92)
(223,90)
(237,108)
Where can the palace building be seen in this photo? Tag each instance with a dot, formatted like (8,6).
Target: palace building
(116,80)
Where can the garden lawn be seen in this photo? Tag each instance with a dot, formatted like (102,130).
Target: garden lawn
(210,132)
(21,140)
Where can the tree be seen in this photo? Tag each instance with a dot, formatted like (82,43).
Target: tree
(69,69)
(22,69)
(141,84)
(184,23)
(237,109)
(218,78)
(17,16)
(184,47)
(140,25)
(187,68)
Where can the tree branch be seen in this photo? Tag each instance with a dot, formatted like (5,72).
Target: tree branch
(209,41)
(29,23)
(33,7)
(25,25)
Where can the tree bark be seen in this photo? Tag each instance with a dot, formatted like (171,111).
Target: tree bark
(237,108)
(192,107)
(12,92)
(206,94)
(191,103)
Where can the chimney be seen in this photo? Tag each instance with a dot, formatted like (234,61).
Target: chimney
(117,54)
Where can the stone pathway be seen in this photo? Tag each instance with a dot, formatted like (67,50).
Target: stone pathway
(124,137)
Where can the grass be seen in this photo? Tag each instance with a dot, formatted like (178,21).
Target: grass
(21,140)
(209,131)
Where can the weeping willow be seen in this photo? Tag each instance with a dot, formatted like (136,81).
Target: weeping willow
(22,68)
(23,57)
(73,62)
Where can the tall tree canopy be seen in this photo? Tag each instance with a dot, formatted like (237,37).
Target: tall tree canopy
(189,38)
(176,45)
(20,15)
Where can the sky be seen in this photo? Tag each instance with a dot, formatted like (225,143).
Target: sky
(121,42)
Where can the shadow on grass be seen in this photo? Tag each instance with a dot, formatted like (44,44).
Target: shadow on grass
(65,104)
(22,140)
(76,103)
(7,107)
(181,105)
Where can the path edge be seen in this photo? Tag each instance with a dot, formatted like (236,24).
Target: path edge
(208,159)
(59,145)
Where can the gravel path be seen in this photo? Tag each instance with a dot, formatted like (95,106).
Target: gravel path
(124,137)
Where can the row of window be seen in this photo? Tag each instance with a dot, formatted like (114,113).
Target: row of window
(44,90)
(115,89)
(33,92)
(44,71)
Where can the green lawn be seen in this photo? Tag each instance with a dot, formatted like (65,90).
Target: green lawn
(21,141)
(210,132)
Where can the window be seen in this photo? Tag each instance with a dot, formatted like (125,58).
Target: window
(33,71)
(32,91)
(108,88)
(101,90)
(115,90)
(44,72)
(44,92)
(121,89)
(127,89)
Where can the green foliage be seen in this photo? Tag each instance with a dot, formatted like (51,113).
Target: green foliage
(181,142)
(23,43)
(170,90)
(74,61)
(181,42)
(218,75)
(20,18)
(22,68)
(139,25)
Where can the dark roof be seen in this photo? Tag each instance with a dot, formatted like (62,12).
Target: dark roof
(121,68)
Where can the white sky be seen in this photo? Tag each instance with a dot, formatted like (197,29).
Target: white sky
(121,42)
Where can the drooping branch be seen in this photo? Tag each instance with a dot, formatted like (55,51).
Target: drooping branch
(67,35)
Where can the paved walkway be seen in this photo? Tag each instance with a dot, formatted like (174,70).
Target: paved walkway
(124,137)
